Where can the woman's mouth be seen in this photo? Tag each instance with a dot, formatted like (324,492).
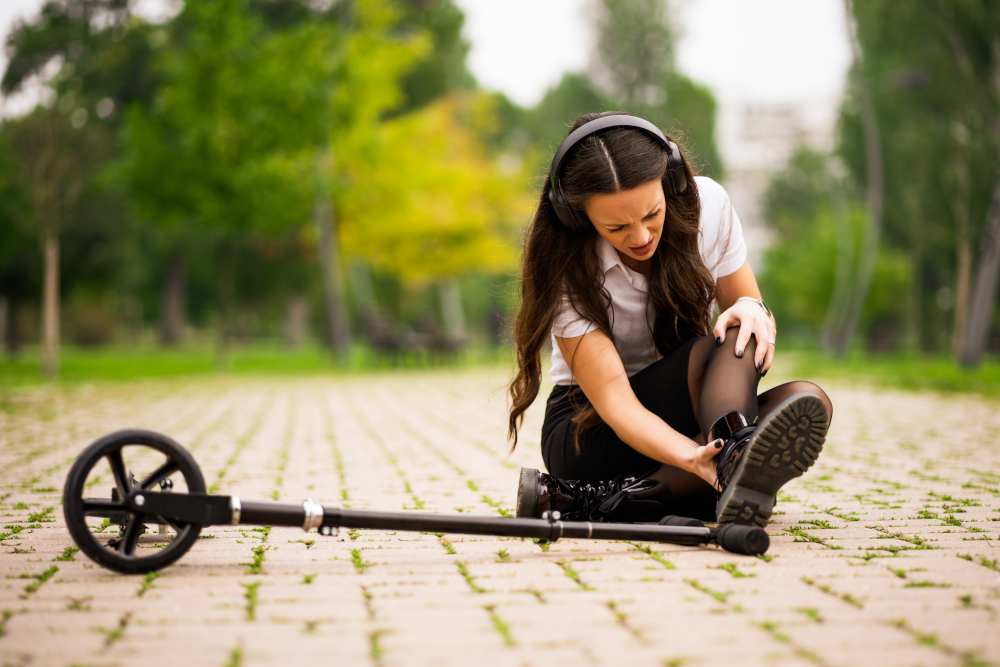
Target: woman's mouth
(643,250)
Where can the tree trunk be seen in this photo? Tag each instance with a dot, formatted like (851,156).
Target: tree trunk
(4,309)
(914,316)
(13,328)
(836,311)
(876,186)
(296,318)
(985,293)
(227,298)
(452,313)
(333,281)
(963,251)
(172,317)
(50,307)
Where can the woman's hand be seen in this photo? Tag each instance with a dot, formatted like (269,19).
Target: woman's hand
(704,464)
(752,320)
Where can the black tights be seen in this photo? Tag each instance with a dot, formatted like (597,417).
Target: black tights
(720,382)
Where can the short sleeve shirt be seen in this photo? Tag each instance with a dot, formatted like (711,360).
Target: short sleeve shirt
(723,250)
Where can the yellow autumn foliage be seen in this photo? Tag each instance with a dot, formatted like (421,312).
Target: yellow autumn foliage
(428,201)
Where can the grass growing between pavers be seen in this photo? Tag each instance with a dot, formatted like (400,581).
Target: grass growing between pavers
(500,626)
(622,619)
(359,564)
(772,629)
(846,597)
(463,570)
(116,633)
(39,579)
(567,567)
(147,583)
(250,593)
(904,484)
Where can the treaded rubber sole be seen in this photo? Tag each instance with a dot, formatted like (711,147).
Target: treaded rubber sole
(784,445)
(527,493)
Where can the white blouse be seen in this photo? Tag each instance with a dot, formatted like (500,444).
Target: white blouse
(723,250)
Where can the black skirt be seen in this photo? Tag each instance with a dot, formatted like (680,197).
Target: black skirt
(662,387)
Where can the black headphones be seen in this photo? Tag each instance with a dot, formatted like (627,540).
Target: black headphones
(674,180)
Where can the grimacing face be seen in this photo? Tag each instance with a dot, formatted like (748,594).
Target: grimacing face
(630,220)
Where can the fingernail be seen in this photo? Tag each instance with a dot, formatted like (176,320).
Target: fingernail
(718,443)
(739,354)
(764,373)
(760,365)
(718,340)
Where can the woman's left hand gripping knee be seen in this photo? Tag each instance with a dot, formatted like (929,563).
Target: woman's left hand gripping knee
(752,321)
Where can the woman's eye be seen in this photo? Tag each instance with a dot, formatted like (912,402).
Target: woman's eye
(652,215)
(616,230)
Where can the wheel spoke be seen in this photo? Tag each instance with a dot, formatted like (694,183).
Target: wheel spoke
(133,530)
(101,507)
(178,527)
(164,471)
(118,470)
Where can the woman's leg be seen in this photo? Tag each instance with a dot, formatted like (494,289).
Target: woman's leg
(718,382)
(771,398)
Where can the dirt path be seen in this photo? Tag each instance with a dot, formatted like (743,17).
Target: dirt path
(886,553)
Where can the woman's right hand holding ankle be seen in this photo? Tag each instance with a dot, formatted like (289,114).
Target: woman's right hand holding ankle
(704,464)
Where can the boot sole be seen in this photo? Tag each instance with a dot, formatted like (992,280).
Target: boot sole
(527,493)
(785,444)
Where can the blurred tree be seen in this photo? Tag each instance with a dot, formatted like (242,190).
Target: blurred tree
(846,321)
(634,55)
(55,163)
(442,69)
(932,69)
(242,127)
(103,53)
(634,64)
(19,258)
(100,64)
(819,225)
(428,203)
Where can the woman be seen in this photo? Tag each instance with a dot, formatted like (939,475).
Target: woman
(626,259)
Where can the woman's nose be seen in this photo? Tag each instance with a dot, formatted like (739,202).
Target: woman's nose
(640,237)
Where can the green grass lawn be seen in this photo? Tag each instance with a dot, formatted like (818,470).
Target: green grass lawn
(79,365)
(904,372)
(135,363)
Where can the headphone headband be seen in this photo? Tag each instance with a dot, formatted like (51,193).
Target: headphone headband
(674,179)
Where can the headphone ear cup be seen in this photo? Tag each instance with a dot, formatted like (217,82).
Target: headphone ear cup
(675,176)
(566,213)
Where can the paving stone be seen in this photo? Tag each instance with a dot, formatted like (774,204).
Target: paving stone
(885,553)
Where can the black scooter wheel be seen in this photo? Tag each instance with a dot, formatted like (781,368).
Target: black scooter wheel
(132,549)
(671,520)
(738,539)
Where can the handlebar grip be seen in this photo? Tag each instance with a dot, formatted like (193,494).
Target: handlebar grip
(671,520)
(749,540)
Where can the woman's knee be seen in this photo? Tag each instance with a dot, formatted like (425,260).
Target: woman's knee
(729,346)
(813,388)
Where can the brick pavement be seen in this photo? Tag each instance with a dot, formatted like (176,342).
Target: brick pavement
(886,553)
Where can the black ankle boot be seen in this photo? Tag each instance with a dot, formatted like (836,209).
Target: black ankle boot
(631,498)
(758,459)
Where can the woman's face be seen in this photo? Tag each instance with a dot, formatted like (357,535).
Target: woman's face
(631,220)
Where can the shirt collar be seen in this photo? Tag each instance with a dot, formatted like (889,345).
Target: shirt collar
(609,260)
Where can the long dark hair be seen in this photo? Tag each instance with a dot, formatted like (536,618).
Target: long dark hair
(556,259)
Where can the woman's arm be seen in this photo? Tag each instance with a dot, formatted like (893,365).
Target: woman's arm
(599,371)
(748,316)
